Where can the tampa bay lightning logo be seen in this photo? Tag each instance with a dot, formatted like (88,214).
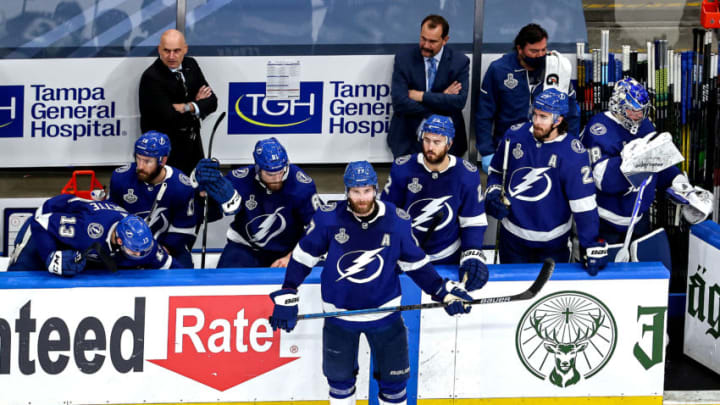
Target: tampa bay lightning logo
(263,228)
(360,266)
(530,183)
(598,129)
(426,211)
(95,230)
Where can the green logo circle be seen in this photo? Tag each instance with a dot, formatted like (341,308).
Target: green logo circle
(565,337)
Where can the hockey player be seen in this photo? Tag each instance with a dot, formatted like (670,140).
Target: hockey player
(620,140)
(443,195)
(365,241)
(67,230)
(548,183)
(160,194)
(272,202)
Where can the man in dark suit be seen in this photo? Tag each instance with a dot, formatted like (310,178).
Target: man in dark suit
(431,66)
(174,98)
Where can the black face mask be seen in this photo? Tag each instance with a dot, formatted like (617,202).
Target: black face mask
(535,63)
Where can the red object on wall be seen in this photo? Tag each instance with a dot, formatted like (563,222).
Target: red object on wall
(72,188)
(710,14)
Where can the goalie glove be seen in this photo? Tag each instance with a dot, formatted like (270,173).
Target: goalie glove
(679,189)
(700,205)
(650,154)
(472,271)
(453,295)
(65,262)
(285,311)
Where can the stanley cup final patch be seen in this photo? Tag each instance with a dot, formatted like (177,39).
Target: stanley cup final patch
(511,82)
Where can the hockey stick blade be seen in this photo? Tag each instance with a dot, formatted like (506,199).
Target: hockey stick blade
(545,273)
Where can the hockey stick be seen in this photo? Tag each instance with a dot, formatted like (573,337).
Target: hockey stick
(207,200)
(506,153)
(434,222)
(537,285)
(623,255)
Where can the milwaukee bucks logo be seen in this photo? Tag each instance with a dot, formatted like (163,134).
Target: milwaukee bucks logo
(566,337)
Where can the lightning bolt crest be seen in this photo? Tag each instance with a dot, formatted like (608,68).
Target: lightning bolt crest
(360,262)
(427,212)
(529,179)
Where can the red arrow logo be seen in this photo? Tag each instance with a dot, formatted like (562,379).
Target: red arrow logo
(221,341)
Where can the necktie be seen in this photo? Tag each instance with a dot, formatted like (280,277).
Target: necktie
(432,70)
(181,79)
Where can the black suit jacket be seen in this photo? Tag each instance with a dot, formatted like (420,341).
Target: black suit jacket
(159,90)
(409,73)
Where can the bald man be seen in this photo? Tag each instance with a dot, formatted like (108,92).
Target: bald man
(174,99)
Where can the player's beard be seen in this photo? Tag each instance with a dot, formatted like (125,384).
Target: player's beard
(434,159)
(148,177)
(275,186)
(540,134)
(361,208)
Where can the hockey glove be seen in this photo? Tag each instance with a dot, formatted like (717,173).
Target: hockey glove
(454,296)
(222,191)
(472,271)
(594,257)
(494,204)
(700,205)
(65,262)
(285,311)
(206,171)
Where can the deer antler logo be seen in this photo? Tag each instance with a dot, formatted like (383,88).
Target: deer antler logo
(555,334)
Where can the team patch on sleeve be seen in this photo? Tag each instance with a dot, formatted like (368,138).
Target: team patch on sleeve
(328,207)
(240,173)
(95,230)
(471,167)
(402,214)
(185,180)
(402,159)
(598,129)
(302,177)
(577,146)
(515,127)
(123,169)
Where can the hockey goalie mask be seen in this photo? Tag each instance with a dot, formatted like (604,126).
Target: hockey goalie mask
(136,239)
(630,104)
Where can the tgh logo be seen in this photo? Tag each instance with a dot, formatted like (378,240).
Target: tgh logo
(566,337)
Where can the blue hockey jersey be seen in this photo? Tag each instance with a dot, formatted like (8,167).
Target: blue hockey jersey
(174,218)
(362,257)
(449,201)
(272,220)
(548,183)
(68,222)
(605,137)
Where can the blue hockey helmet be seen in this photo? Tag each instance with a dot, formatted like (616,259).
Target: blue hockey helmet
(153,144)
(628,94)
(439,124)
(135,236)
(552,101)
(270,155)
(360,174)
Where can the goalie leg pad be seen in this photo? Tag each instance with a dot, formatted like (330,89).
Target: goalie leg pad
(653,247)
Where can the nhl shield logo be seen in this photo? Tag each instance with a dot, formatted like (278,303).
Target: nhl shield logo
(130,196)
(517,151)
(511,82)
(342,237)
(415,186)
(566,326)
(251,204)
